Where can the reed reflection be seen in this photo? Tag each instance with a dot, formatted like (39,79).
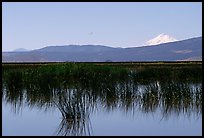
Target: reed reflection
(78,90)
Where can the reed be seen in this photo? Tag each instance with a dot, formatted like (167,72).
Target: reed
(76,89)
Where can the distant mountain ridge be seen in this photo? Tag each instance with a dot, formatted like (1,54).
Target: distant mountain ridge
(20,50)
(74,48)
(190,49)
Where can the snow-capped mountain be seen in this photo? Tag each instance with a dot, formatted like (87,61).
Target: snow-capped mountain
(184,50)
(162,38)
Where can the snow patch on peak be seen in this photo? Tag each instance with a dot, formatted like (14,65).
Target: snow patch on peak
(162,38)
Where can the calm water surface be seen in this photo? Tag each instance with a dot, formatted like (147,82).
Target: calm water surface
(147,101)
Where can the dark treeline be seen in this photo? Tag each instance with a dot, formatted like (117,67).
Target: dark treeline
(76,90)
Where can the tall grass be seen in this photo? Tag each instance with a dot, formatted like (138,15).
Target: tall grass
(76,89)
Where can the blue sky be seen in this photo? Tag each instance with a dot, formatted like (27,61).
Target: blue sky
(117,24)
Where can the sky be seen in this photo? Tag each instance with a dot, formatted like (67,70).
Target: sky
(34,25)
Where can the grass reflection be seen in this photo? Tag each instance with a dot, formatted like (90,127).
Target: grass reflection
(77,89)
(74,107)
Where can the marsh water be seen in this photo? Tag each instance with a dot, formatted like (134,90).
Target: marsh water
(103,101)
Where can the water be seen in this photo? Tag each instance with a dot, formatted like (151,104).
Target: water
(144,103)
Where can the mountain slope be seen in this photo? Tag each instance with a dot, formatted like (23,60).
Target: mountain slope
(160,39)
(20,50)
(75,48)
(190,49)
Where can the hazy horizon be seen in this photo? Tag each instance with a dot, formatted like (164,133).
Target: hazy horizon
(37,25)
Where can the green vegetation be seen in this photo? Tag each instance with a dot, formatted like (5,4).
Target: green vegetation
(76,89)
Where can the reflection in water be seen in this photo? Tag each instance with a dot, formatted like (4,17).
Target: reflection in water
(77,91)
(74,108)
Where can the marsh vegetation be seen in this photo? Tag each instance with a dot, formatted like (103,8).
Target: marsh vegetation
(77,90)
